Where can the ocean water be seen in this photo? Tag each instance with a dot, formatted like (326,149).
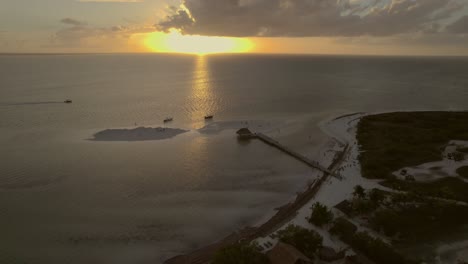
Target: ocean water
(67,199)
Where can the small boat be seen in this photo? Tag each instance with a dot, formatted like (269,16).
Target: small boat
(68,101)
(208,117)
(168,119)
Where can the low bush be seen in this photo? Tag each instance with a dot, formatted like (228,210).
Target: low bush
(373,248)
(463,172)
(240,253)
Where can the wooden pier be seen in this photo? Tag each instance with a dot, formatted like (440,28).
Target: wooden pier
(205,255)
(311,163)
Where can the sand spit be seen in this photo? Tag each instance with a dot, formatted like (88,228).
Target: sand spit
(137,134)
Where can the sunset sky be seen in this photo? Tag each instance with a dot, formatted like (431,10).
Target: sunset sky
(385,27)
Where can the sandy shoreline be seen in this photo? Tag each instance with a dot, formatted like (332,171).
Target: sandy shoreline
(331,155)
(340,154)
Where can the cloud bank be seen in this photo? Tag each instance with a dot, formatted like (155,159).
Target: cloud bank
(316,18)
(77,33)
(460,26)
(110,1)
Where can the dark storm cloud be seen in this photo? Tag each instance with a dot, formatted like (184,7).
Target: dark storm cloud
(301,18)
(180,19)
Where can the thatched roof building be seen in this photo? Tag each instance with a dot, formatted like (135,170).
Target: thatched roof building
(358,259)
(284,253)
(329,254)
(346,207)
(244,133)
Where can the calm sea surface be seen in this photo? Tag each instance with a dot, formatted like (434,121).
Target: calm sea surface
(67,199)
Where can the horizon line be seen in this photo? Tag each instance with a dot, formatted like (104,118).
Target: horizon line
(230,53)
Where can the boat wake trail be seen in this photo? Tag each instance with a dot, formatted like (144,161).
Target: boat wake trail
(31,103)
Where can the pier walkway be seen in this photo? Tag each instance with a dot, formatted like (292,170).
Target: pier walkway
(205,254)
(268,140)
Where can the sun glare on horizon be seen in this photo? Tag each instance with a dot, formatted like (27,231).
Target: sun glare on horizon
(175,42)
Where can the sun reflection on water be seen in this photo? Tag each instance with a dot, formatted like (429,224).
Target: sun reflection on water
(203,100)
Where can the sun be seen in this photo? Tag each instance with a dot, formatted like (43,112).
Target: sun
(175,42)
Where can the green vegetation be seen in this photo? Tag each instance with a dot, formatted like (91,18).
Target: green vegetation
(395,140)
(363,206)
(447,188)
(377,196)
(306,241)
(463,150)
(456,156)
(363,202)
(377,250)
(422,221)
(373,248)
(410,216)
(320,215)
(240,253)
(359,191)
(463,172)
(389,142)
(343,228)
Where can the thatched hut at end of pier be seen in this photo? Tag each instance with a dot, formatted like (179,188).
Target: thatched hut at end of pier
(245,133)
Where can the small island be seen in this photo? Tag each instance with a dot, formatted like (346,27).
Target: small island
(137,134)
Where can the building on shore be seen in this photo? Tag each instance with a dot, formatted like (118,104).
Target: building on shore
(284,253)
(329,254)
(358,259)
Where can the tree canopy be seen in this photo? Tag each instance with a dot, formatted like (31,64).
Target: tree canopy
(305,240)
(320,215)
(359,191)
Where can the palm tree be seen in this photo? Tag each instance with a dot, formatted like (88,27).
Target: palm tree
(359,191)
